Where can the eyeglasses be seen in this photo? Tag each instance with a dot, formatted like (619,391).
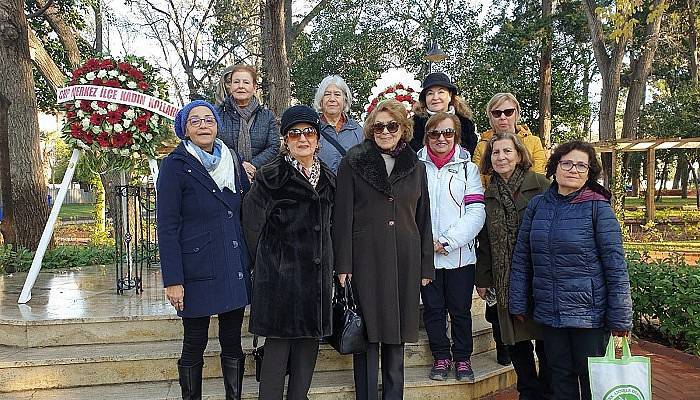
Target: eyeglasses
(392,127)
(296,133)
(208,121)
(567,165)
(448,133)
(497,113)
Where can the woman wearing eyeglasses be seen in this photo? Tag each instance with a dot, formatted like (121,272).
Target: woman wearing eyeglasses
(439,94)
(248,128)
(287,222)
(383,241)
(512,184)
(569,269)
(503,112)
(203,255)
(457,215)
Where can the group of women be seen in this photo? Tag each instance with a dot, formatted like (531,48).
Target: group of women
(400,208)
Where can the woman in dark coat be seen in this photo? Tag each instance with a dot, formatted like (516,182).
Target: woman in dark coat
(439,94)
(383,241)
(512,184)
(287,222)
(203,255)
(248,128)
(569,269)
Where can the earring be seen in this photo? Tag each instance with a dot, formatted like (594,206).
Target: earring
(318,148)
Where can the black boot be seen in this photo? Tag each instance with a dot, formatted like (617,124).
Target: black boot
(502,354)
(191,381)
(232,369)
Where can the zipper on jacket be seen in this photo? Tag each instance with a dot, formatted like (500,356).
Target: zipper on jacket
(552,272)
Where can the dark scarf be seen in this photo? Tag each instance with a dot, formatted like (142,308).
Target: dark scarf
(506,221)
(247,113)
(397,150)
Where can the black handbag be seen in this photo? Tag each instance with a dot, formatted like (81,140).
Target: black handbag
(349,335)
(258,355)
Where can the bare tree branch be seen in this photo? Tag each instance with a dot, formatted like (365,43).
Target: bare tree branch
(40,11)
(299,27)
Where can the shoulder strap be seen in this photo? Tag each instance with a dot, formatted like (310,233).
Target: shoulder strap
(330,139)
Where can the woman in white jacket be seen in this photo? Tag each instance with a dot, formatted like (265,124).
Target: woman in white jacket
(457,212)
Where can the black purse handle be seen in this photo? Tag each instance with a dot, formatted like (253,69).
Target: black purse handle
(349,298)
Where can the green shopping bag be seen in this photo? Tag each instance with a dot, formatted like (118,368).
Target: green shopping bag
(627,378)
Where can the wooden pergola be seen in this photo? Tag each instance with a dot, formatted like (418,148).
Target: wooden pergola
(649,146)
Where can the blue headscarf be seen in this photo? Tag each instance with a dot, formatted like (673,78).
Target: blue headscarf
(181,116)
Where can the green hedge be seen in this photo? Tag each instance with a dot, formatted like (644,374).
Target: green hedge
(57,258)
(666,297)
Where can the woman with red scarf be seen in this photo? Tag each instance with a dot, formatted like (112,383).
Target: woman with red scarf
(457,214)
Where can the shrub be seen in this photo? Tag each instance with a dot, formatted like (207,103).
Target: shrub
(666,297)
(17,260)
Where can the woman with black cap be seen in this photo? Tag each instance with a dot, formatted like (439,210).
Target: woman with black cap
(288,225)
(203,255)
(439,94)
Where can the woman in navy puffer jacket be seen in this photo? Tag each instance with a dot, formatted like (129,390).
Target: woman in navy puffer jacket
(569,269)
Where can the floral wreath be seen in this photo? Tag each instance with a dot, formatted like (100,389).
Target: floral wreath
(119,134)
(397,84)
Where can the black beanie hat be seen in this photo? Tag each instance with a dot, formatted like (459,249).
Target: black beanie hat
(296,114)
(437,79)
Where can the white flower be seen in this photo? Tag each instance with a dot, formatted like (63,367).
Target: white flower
(131,85)
(107,128)
(85,123)
(121,78)
(126,123)
(125,152)
(135,155)
(80,113)
(401,92)
(77,104)
(148,137)
(130,114)
(115,151)
(136,147)
(112,106)
(113,73)
(94,105)
(96,129)
(118,128)
(82,145)
(101,74)
(415,96)
(90,76)
(101,111)
(82,80)
(141,69)
(389,95)
(154,118)
(406,104)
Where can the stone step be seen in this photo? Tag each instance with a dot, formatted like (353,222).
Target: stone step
(330,385)
(70,366)
(122,329)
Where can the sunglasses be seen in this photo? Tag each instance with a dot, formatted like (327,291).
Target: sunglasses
(497,113)
(567,165)
(448,133)
(296,133)
(392,127)
(208,121)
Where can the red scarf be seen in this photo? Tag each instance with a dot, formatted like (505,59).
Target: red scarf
(440,161)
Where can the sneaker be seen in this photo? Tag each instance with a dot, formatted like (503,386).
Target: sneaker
(440,370)
(463,371)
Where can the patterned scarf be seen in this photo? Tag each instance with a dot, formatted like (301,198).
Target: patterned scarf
(312,174)
(247,113)
(506,221)
(397,150)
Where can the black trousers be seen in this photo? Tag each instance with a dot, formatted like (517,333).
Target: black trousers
(197,335)
(450,292)
(366,371)
(567,352)
(532,385)
(301,355)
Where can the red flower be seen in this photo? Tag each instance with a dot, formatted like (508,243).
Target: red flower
(136,74)
(106,63)
(399,86)
(97,81)
(77,73)
(103,139)
(389,90)
(97,119)
(124,66)
(85,106)
(91,65)
(114,117)
(102,104)
(143,85)
(70,114)
(87,138)
(113,83)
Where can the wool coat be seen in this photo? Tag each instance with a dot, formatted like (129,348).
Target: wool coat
(264,132)
(383,237)
(468,138)
(288,225)
(490,261)
(569,264)
(200,237)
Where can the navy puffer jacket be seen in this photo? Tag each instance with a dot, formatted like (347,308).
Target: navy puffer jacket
(569,265)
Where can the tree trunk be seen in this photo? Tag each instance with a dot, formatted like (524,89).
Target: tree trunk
(26,173)
(44,63)
(693,41)
(97,8)
(66,35)
(586,84)
(662,184)
(546,77)
(8,220)
(641,67)
(276,65)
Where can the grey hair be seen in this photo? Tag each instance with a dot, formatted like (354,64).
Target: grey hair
(220,94)
(340,83)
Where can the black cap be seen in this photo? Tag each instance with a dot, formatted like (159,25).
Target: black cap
(296,114)
(437,79)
